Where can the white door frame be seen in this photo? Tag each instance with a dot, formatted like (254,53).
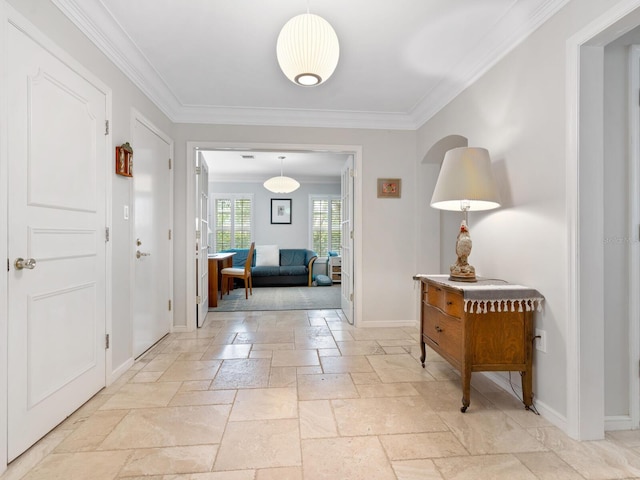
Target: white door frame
(9,15)
(192,147)
(633,244)
(585,315)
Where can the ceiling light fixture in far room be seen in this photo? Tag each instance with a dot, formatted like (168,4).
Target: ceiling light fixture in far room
(281,184)
(465,183)
(308,49)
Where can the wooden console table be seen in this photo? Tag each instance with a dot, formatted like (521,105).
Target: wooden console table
(217,262)
(481,326)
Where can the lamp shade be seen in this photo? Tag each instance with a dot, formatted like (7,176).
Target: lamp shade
(466,181)
(308,50)
(281,184)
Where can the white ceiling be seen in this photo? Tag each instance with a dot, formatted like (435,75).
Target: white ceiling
(306,167)
(214,61)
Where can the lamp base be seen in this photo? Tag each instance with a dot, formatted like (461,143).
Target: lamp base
(469,277)
(461,271)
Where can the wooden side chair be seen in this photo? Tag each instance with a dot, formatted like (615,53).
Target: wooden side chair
(229,273)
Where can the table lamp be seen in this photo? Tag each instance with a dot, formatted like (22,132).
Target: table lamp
(465,183)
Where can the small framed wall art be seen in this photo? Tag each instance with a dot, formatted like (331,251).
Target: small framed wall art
(124,160)
(281,211)
(389,187)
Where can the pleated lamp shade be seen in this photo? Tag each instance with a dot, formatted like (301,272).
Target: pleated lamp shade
(308,50)
(281,184)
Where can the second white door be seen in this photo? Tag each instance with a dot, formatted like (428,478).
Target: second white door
(152,152)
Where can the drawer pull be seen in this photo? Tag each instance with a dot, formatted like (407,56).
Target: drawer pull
(449,302)
(438,329)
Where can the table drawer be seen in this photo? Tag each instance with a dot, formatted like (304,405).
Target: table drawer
(445,331)
(449,302)
(435,297)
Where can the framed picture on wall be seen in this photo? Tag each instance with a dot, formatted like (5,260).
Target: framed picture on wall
(389,187)
(124,160)
(281,211)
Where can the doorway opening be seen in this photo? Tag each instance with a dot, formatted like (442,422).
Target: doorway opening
(587,145)
(320,169)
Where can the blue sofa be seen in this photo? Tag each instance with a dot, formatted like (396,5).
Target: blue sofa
(296,267)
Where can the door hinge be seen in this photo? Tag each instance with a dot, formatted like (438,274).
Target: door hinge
(106,234)
(106,127)
(169,305)
(198,170)
(169,234)
(352,173)
(169,164)
(7,264)
(351,234)
(106,342)
(351,297)
(198,299)
(198,235)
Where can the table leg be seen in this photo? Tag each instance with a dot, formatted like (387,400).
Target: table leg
(213,283)
(466,389)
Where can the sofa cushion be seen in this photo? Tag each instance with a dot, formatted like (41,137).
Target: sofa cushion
(265,271)
(293,270)
(240,257)
(293,256)
(267,256)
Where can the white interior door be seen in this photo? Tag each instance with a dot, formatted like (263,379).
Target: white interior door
(202,239)
(57,197)
(152,213)
(634,234)
(347,240)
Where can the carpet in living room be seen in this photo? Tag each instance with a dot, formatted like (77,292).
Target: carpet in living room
(281,298)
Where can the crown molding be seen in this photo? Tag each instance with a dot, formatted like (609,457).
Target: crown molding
(95,21)
(294,117)
(260,179)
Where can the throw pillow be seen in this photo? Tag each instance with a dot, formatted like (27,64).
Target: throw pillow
(267,256)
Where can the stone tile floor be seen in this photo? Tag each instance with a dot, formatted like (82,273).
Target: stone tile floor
(303,395)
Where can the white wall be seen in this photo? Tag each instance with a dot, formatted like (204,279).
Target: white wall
(389,226)
(517,111)
(295,235)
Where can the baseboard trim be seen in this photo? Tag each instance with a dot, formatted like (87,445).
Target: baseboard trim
(118,372)
(387,324)
(545,411)
(614,423)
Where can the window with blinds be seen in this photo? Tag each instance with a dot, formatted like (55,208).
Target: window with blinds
(232,221)
(326,217)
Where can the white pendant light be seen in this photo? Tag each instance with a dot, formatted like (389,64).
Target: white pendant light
(308,50)
(281,184)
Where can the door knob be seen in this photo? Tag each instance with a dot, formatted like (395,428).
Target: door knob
(138,242)
(29,263)
(141,254)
